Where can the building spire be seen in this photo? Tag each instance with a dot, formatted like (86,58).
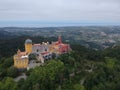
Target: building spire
(59,39)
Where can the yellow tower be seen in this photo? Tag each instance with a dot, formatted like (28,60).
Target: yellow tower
(28,46)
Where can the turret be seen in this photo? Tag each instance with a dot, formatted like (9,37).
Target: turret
(28,46)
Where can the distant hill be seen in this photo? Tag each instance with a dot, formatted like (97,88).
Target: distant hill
(5,34)
(96,37)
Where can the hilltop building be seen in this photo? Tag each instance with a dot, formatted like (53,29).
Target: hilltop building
(42,51)
(58,47)
(21,59)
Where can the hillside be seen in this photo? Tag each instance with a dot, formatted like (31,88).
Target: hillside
(82,69)
(97,37)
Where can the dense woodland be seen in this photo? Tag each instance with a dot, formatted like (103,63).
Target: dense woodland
(81,69)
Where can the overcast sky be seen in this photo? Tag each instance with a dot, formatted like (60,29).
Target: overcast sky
(71,11)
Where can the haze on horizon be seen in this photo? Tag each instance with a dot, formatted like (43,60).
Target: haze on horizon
(59,12)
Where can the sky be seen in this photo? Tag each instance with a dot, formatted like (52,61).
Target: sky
(59,12)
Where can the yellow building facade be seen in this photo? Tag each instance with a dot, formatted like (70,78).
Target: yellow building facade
(21,60)
(28,48)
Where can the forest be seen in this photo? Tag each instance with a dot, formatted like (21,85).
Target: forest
(81,69)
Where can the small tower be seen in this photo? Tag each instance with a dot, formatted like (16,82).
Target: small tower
(59,39)
(28,46)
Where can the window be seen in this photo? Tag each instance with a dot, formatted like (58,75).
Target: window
(45,49)
(37,50)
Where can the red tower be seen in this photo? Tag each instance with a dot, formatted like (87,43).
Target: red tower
(59,40)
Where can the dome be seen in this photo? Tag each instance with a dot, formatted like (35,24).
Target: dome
(28,41)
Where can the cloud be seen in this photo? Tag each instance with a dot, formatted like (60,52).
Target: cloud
(60,10)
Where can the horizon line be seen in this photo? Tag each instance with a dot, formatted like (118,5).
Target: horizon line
(56,23)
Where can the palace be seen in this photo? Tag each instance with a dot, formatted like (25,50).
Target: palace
(42,51)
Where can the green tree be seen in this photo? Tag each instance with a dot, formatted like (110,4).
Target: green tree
(36,86)
(20,83)
(12,72)
(110,62)
(7,62)
(8,84)
(79,87)
(50,75)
